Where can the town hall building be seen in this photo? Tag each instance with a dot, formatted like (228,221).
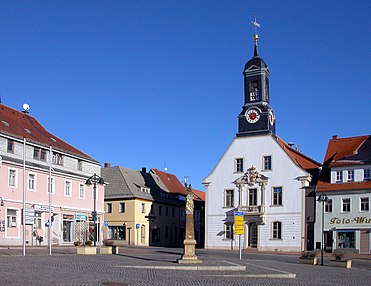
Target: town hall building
(259,175)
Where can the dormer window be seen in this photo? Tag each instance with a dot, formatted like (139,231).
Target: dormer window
(10,147)
(366,174)
(144,190)
(254,91)
(57,159)
(339,176)
(350,175)
(39,154)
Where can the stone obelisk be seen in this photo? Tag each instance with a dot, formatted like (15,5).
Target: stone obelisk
(189,256)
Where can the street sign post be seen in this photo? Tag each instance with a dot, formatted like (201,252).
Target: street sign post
(239,228)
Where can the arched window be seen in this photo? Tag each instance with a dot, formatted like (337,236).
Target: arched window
(276,230)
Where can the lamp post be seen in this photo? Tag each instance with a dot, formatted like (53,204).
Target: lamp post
(94,180)
(322,199)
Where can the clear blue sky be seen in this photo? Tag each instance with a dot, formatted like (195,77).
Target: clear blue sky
(149,83)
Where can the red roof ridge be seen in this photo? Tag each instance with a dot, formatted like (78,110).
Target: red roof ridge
(23,125)
(297,157)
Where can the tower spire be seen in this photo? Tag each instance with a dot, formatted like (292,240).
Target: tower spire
(256,37)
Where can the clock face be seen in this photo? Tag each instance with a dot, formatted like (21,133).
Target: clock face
(271,117)
(252,115)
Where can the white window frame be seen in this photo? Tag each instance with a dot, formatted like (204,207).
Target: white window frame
(228,231)
(270,163)
(328,206)
(367,205)
(276,187)
(279,230)
(342,205)
(15,178)
(69,184)
(53,185)
(34,182)
(11,217)
(339,176)
(237,166)
(350,175)
(231,198)
(83,191)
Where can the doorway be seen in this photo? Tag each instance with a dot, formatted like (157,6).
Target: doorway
(253,235)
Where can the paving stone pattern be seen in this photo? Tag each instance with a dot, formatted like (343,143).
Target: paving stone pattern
(64,267)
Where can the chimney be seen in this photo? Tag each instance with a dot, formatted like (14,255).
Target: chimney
(334,137)
(107,165)
(144,170)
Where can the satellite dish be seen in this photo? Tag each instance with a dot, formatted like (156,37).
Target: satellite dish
(26,107)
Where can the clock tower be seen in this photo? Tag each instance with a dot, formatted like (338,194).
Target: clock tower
(257,116)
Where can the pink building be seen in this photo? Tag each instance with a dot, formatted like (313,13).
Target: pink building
(30,155)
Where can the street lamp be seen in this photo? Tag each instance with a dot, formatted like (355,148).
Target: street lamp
(322,199)
(94,180)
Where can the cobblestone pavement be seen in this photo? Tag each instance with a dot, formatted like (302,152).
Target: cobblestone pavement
(157,266)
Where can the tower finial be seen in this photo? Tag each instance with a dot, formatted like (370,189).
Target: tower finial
(256,37)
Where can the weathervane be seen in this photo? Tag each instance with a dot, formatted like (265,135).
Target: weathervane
(256,25)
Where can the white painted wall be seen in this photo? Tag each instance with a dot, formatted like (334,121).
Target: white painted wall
(284,173)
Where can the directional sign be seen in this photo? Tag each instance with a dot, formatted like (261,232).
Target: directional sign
(106,223)
(238,223)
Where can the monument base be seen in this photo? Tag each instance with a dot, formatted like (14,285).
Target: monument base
(189,256)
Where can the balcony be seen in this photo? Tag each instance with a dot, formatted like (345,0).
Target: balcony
(252,210)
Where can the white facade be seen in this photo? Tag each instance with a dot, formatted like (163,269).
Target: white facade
(271,221)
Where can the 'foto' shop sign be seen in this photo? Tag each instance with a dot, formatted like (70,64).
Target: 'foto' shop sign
(358,220)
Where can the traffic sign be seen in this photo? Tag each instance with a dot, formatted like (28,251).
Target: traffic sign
(239,223)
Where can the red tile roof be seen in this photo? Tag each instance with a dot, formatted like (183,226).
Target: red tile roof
(341,148)
(326,186)
(22,125)
(342,152)
(174,185)
(299,158)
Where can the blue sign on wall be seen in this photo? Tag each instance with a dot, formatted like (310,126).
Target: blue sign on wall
(137,226)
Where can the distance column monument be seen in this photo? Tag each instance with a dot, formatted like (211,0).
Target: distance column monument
(189,256)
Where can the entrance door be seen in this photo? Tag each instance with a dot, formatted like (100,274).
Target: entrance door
(253,235)
(328,241)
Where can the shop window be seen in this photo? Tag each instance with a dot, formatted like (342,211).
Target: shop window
(117,232)
(346,239)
